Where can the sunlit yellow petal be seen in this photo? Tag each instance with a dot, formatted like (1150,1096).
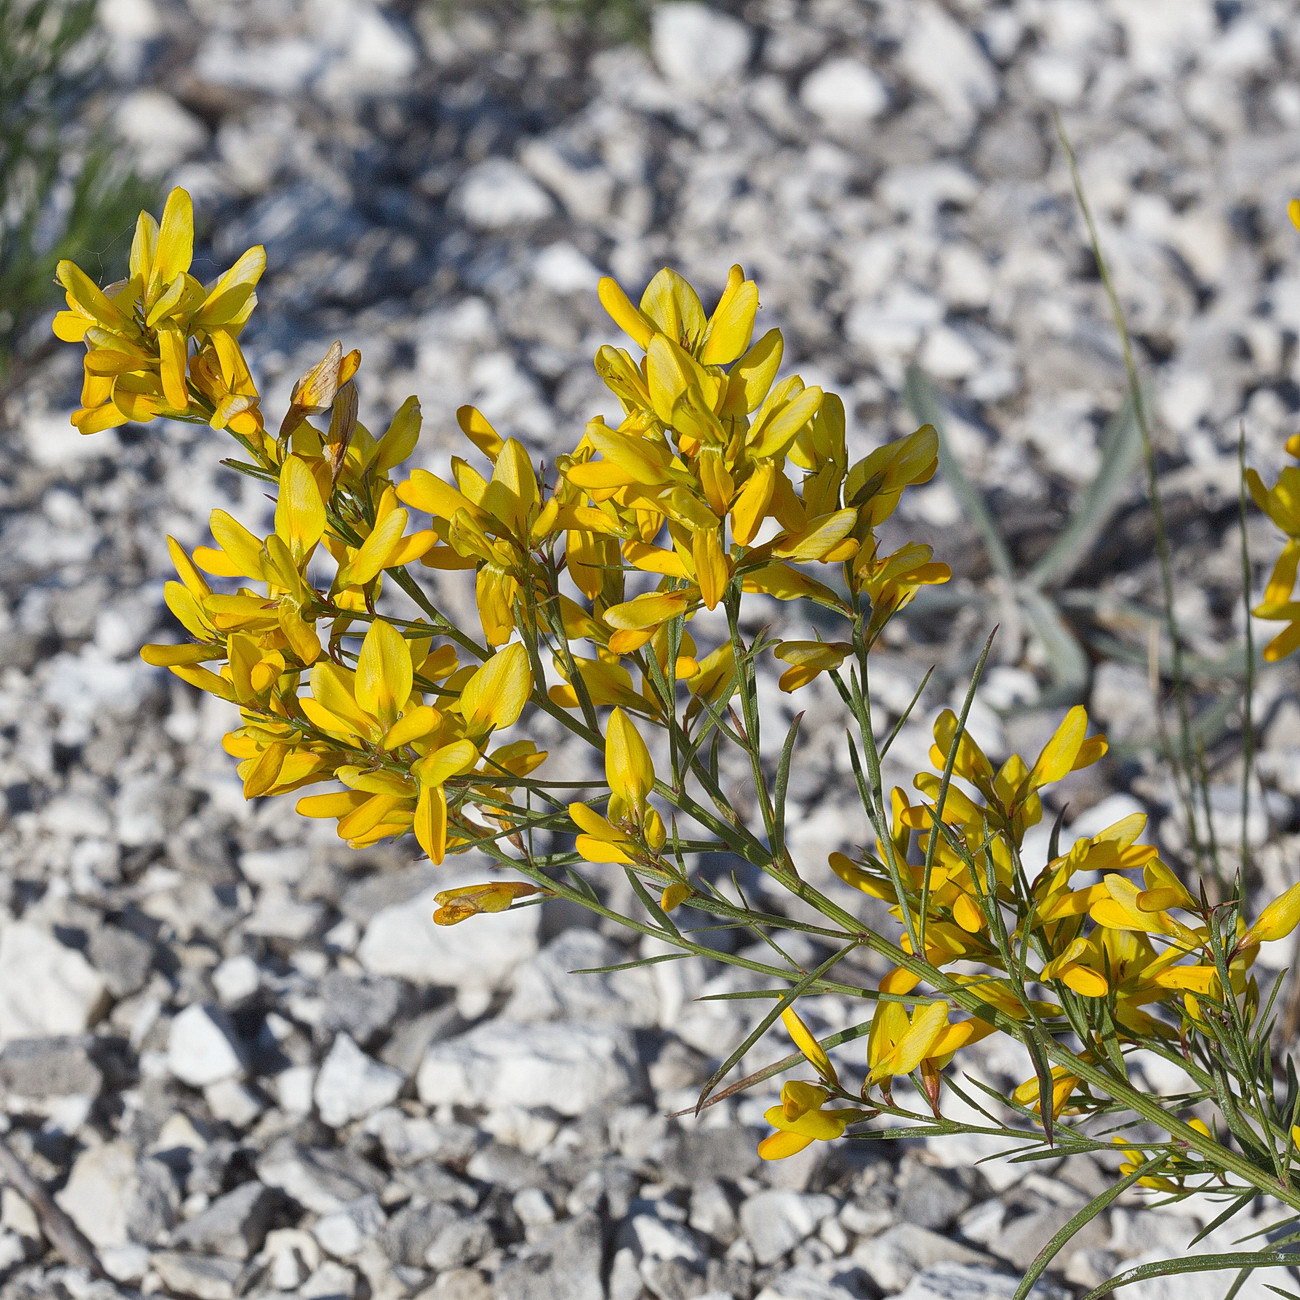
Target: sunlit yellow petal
(175,248)
(497,692)
(628,768)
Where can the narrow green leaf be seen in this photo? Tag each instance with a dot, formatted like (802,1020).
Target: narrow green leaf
(1060,1150)
(651,904)
(1067,661)
(1043,1073)
(630,965)
(581,885)
(777,1067)
(783,781)
(1077,1223)
(1233,1209)
(766,1022)
(906,713)
(1237,1283)
(1054,844)
(1280,1238)
(740,995)
(1193,1264)
(1120,453)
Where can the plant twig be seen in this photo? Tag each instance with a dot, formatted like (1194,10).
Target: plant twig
(72,1245)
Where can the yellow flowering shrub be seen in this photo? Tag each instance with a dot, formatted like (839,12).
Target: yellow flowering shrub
(609,587)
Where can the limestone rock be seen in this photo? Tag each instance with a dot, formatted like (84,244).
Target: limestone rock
(777,1220)
(844,90)
(203,1047)
(351,1084)
(565,1066)
(45,986)
(402,940)
(696,46)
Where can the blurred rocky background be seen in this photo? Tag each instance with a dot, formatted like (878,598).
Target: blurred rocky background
(238,1056)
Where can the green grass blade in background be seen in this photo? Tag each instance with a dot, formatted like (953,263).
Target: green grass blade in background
(1066,659)
(1070,1230)
(1121,456)
(65,190)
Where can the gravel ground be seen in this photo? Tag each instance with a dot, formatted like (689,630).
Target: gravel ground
(240,1054)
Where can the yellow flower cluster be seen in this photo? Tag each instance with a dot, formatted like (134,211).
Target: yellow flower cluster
(719,479)
(159,340)
(1104,942)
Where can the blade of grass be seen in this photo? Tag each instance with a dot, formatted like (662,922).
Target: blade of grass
(1067,661)
(1191,1264)
(1085,1216)
(767,1021)
(1248,687)
(1120,451)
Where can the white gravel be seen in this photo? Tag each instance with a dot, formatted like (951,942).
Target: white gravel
(270,1011)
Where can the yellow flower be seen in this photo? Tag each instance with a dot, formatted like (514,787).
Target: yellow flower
(808,659)
(1281,503)
(802,1119)
(671,307)
(1123,964)
(1134,1160)
(636,621)
(496,693)
(1064,1083)
(605,683)
(138,332)
(875,484)
(899,1042)
(456,905)
(1126,907)
(220,375)
(675,895)
(812,1050)
(1077,967)
(892,581)
(1113,849)
(385,544)
(489,525)
(631,825)
(599,840)
(628,768)
(412,751)
(1013,789)
(1276,921)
